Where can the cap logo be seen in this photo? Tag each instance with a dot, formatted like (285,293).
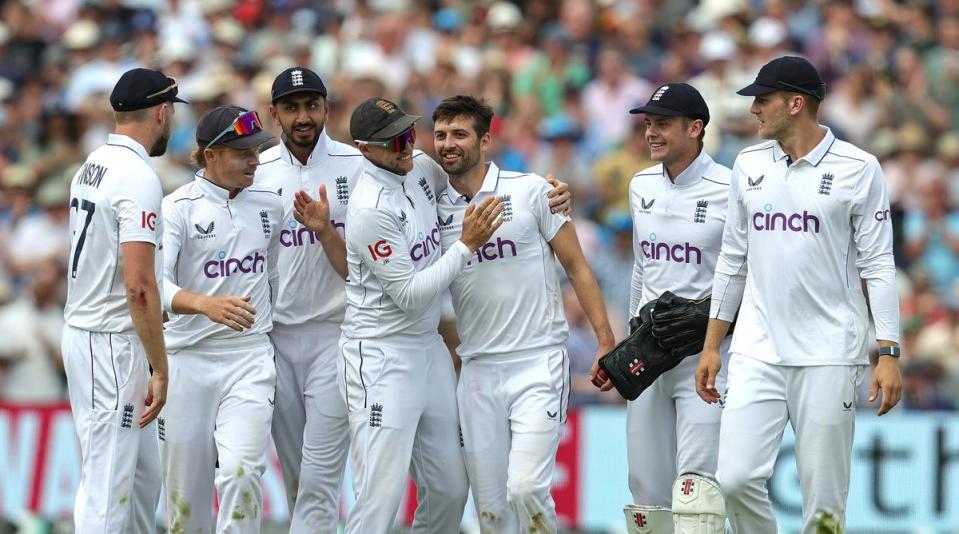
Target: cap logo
(296,78)
(386,106)
(659,93)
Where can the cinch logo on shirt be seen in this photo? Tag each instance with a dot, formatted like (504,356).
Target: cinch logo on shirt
(803,222)
(426,244)
(495,251)
(666,252)
(882,215)
(223,266)
(298,236)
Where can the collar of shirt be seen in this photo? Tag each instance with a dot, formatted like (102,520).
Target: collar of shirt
(123,140)
(692,174)
(383,176)
(490,181)
(214,193)
(316,157)
(815,155)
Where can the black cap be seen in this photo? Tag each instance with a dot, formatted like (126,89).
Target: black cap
(213,122)
(378,119)
(297,80)
(143,88)
(787,73)
(676,100)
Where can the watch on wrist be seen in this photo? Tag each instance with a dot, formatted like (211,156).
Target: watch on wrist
(890,351)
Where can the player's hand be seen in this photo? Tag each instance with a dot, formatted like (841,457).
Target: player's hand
(480,222)
(597,376)
(156,398)
(560,199)
(235,312)
(886,377)
(706,371)
(312,213)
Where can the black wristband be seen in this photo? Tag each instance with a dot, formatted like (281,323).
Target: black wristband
(889,351)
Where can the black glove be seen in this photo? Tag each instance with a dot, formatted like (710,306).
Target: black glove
(637,361)
(679,325)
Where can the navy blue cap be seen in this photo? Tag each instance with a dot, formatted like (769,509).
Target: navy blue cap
(143,88)
(787,73)
(297,80)
(676,100)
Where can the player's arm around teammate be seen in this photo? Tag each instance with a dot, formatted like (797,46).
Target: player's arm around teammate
(222,247)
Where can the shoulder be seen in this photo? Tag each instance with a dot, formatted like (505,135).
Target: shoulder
(842,150)
(719,175)
(761,150)
(646,177)
(423,161)
(263,196)
(343,150)
(271,155)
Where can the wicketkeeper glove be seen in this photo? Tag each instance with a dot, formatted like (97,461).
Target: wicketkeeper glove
(679,324)
(637,361)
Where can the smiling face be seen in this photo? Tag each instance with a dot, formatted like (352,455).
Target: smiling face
(458,146)
(384,157)
(672,138)
(231,168)
(301,116)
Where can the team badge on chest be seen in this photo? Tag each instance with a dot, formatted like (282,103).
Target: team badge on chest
(699,216)
(265,223)
(342,190)
(507,213)
(825,184)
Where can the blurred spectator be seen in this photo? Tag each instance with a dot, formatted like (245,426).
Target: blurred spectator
(613,171)
(541,84)
(581,348)
(30,362)
(614,268)
(614,90)
(920,387)
(852,109)
(932,238)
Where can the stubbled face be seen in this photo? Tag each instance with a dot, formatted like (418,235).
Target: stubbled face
(669,138)
(458,146)
(232,168)
(773,114)
(301,116)
(160,145)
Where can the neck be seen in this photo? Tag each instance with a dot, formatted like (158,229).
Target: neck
(215,180)
(470,182)
(137,133)
(801,139)
(676,167)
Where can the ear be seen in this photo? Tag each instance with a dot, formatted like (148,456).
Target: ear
(797,104)
(695,127)
(364,149)
(210,155)
(273,113)
(161,112)
(486,141)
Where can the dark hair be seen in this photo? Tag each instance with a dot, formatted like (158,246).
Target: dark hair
(812,103)
(199,157)
(466,106)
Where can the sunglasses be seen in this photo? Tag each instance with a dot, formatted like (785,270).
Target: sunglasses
(172,87)
(244,124)
(397,144)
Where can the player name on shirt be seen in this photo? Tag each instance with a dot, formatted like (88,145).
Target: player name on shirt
(91,174)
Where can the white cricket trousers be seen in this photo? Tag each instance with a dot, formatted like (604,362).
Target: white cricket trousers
(513,411)
(108,378)
(401,395)
(219,409)
(311,429)
(670,431)
(820,404)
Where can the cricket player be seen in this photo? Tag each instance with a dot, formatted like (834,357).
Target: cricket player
(220,279)
(114,331)
(514,382)
(310,425)
(678,208)
(808,217)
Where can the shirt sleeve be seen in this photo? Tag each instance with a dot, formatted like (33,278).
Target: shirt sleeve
(549,223)
(137,209)
(172,241)
(636,280)
(729,280)
(872,234)
(376,236)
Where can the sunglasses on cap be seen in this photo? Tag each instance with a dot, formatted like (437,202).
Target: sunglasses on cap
(171,87)
(397,144)
(244,124)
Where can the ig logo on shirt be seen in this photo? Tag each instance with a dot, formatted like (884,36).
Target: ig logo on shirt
(380,250)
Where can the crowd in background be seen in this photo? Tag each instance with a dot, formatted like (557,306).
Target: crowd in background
(560,75)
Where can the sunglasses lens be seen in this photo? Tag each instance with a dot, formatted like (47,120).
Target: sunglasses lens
(247,123)
(400,141)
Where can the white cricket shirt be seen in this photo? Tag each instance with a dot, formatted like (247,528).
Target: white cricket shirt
(797,240)
(310,289)
(115,198)
(216,245)
(677,230)
(397,269)
(508,298)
